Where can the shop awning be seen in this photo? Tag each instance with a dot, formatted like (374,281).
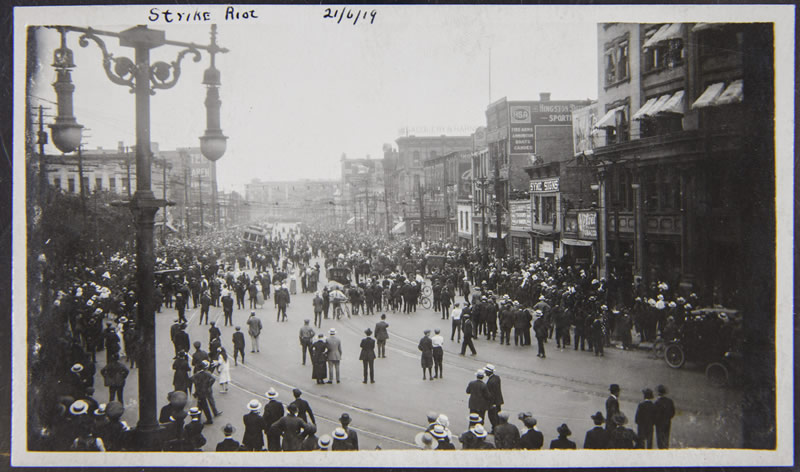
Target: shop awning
(707,26)
(734,93)
(665,33)
(674,104)
(709,95)
(575,242)
(642,113)
(609,120)
(351,221)
(399,228)
(538,232)
(662,100)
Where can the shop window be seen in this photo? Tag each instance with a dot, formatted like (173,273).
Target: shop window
(535,202)
(71,185)
(616,61)
(112,183)
(415,159)
(98,184)
(621,191)
(549,210)
(57,183)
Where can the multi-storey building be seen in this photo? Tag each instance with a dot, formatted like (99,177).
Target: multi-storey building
(677,104)
(295,200)
(408,176)
(447,178)
(362,194)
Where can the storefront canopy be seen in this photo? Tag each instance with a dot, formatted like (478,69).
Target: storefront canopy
(665,33)
(674,104)
(658,105)
(399,228)
(734,93)
(709,95)
(351,221)
(609,119)
(642,113)
(575,242)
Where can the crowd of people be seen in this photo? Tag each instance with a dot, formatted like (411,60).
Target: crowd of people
(94,309)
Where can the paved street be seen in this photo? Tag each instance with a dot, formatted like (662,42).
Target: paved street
(566,387)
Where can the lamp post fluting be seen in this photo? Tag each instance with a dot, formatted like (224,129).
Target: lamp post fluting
(143,77)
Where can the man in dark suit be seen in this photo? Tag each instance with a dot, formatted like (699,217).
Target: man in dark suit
(426,348)
(253,438)
(532,438)
(227,308)
(612,404)
(495,395)
(273,411)
(203,383)
(352,436)
(562,442)
(303,408)
(506,435)
(597,437)
(478,396)
(173,330)
(228,444)
(367,356)
(468,330)
(381,335)
(238,345)
(291,428)
(198,357)
(665,410)
(645,419)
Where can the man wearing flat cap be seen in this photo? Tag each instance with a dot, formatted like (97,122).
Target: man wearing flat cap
(367,355)
(426,348)
(479,397)
(597,437)
(306,338)
(228,444)
(532,438)
(645,419)
(334,355)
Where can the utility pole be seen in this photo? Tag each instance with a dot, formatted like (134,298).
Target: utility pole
(200,199)
(498,192)
(366,210)
(421,213)
(187,186)
(82,186)
(41,141)
(164,197)
(386,211)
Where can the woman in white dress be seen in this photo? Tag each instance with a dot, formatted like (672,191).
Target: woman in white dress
(224,366)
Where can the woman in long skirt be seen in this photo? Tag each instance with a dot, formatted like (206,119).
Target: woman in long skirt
(319,359)
(224,365)
(180,380)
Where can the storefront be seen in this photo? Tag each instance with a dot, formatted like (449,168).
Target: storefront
(520,240)
(545,204)
(579,236)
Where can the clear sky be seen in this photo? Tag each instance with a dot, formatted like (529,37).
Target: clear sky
(298,90)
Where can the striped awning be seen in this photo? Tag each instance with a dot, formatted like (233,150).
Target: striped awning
(609,120)
(665,33)
(674,104)
(709,95)
(734,93)
(642,113)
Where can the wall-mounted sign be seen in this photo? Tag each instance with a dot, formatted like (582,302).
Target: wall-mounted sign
(520,215)
(587,224)
(546,185)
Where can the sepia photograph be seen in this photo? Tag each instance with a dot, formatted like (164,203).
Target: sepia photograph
(583,213)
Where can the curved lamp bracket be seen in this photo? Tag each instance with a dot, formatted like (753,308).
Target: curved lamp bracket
(164,75)
(120,70)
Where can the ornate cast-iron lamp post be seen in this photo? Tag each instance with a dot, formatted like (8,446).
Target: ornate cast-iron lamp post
(213,143)
(143,78)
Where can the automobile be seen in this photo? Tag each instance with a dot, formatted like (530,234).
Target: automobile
(705,337)
(338,274)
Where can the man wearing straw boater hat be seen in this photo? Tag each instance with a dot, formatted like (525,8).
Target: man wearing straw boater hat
(273,411)
(253,438)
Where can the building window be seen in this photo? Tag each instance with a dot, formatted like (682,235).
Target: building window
(663,54)
(415,160)
(98,184)
(616,61)
(620,132)
(57,183)
(549,210)
(71,185)
(86,184)
(112,183)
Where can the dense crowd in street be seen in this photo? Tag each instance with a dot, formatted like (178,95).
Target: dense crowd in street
(94,310)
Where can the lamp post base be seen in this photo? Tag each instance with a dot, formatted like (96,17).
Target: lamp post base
(148,438)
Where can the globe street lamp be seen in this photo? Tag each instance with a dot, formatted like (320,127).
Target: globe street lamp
(143,78)
(213,143)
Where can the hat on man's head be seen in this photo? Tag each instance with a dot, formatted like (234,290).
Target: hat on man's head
(296,392)
(431,416)
(425,440)
(662,390)
(619,419)
(194,411)
(439,432)
(648,393)
(114,410)
(563,430)
(254,405)
(79,407)
(228,429)
(598,418)
(479,431)
(324,442)
(76,368)
(345,418)
(479,374)
(368,332)
(475,418)
(271,394)
(332,331)
(613,388)
(529,421)
(340,434)
(489,369)
(196,344)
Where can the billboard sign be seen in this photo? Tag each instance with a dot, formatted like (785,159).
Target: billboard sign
(524,117)
(587,224)
(583,121)
(520,215)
